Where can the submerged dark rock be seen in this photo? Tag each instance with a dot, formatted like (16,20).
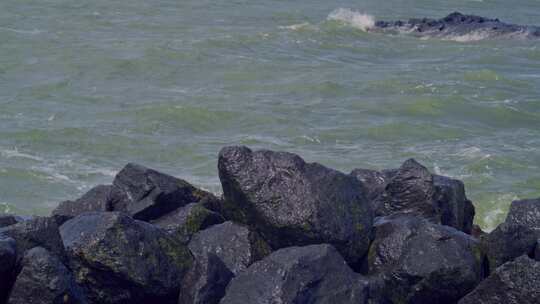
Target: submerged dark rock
(96,199)
(516,236)
(417,261)
(459,25)
(291,202)
(221,252)
(314,274)
(9,219)
(515,282)
(45,280)
(117,259)
(412,189)
(187,220)
(8,259)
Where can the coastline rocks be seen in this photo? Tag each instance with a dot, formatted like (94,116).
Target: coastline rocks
(8,258)
(412,189)
(516,236)
(38,231)
(314,274)
(146,194)
(416,261)
(187,220)
(9,219)
(96,199)
(117,259)
(291,202)
(221,252)
(516,282)
(44,280)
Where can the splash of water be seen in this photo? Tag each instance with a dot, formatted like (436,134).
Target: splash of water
(353,18)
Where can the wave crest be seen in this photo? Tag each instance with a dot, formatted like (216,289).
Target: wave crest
(353,18)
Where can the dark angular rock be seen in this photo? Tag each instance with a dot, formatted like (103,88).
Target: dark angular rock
(147,194)
(516,236)
(187,220)
(291,202)
(8,258)
(121,260)
(516,282)
(97,199)
(221,252)
(413,189)
(44,280)
(417,261)
(314,274)
(9,219)
(38,231)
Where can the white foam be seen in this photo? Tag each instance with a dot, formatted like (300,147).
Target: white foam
(14,153)
(353,18)
(470,37)
(296,27)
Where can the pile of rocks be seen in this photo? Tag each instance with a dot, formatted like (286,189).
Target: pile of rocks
(285,231)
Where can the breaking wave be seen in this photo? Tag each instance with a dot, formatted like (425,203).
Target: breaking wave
(353,18)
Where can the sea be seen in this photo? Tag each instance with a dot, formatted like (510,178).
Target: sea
(88,86)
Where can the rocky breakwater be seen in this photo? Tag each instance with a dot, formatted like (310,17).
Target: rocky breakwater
(285,231)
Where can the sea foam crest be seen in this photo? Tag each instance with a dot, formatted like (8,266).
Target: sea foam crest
(353,18)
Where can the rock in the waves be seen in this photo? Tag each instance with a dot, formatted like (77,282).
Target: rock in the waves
(45,280)
(38,231)
(516,236)
(421,262)
(147,194)
(187,220)
(291,202)
(97,199)
(221,252)
(314,274)
(117,259)
(9,219)
(515,282)
(413,189)
(8,259)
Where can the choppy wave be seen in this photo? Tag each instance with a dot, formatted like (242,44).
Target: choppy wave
(353,18)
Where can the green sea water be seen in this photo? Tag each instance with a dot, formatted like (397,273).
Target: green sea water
(87,86)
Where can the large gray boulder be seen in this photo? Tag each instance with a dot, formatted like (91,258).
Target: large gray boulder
(516,236)
(416,261)
(221,252)
(515,282)
(121,260)
(146,194)
(314,274)
(188,220)
(45,280)
(96,199)
(38,231)
(8,259)
(412,189)
(291,202)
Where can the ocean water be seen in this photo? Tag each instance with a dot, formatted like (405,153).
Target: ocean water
(87,86)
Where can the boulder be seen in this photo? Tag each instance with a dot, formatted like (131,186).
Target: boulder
(8,258)
(515,282)
(314,274)
(9,219)
(44,280)
(222,252)
(413,189)
(38,231)
(516,236)
(291,202)
(187,220)
(121,260)
(97,199)
(416,261)
(146,194)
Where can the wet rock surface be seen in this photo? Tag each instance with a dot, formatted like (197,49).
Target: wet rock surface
(291,202)
(122,260)
(515,282)
(285,231)
(417,261)
(516,236)
(310,274)
(44,280)
(458,24)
